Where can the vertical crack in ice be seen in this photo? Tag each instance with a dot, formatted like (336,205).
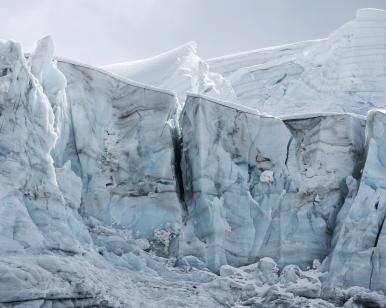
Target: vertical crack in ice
(375,246)
(288,147)
(177,147)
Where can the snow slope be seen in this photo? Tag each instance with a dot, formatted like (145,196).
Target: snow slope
(344,73)
(180,70)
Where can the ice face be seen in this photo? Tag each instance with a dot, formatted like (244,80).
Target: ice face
(37,218)
(53,82)
(124,150)
(257,186)
(27,137)
(358,256)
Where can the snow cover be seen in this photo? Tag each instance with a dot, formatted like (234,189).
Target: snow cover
(185,192)
(179,70)
(343,73)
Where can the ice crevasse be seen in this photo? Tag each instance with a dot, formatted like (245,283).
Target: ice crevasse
(226,179)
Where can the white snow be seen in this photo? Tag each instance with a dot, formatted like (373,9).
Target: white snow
(343,73)
(180,70)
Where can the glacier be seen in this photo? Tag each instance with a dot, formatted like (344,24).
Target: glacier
(254,179)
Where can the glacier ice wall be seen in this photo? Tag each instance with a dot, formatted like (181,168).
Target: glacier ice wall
(123,137)
(358,257)
(37,219)
(27,137)
(258,186)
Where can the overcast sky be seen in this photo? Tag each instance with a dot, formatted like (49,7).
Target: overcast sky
(106,31)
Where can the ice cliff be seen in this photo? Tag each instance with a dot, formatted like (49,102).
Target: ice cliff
(259,186)
(255,179)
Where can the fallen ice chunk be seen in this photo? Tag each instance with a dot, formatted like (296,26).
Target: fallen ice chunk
(267,176)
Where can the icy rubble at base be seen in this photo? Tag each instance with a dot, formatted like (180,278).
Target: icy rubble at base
(245,210)
(104,284)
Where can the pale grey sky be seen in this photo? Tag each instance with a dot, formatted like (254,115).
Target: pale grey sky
(106,31)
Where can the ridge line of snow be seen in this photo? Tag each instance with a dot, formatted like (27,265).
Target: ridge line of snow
(119,78)
(320,114)
(243,108)
(190,44)
(243,53)
(228,104)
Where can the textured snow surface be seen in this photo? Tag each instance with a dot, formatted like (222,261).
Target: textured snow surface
(180,70)
(165,183)
(344,73)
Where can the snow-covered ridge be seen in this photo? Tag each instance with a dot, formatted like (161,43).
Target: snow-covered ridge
(225,103)
(321,114)
(115,76)
(226,65)
(116,193)
(343,73)
(180,70)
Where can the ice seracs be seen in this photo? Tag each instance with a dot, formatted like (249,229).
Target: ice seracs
(37,218)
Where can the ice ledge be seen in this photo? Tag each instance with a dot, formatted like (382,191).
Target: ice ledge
(225,103)
(249,110)
(266,49)
(371,14)
(302,116)
(116,77)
